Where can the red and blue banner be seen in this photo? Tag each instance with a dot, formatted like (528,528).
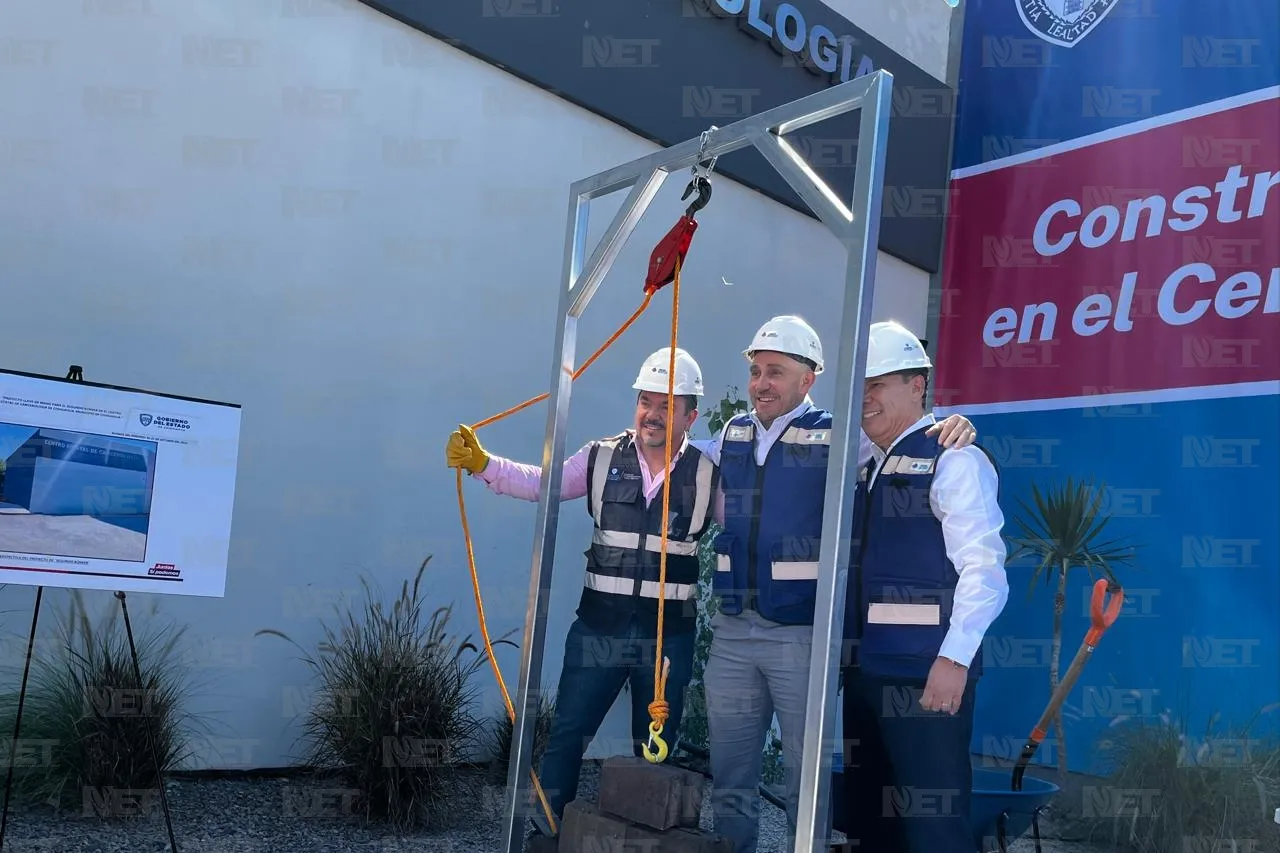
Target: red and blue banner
(1111,312)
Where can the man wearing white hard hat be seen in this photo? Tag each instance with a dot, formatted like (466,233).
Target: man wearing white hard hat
(926,580)
(773,469)
(612,641)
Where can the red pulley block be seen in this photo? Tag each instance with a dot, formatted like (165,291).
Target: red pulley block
(670,250)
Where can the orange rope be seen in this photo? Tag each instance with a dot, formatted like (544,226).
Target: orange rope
(576,373)
(658,708)
(466,529)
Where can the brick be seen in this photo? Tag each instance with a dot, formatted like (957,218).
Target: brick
(658,796)
(587,829)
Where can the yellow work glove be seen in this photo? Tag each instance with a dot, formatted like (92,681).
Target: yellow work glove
(464,450)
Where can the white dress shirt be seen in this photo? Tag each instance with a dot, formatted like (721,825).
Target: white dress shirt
(963,498)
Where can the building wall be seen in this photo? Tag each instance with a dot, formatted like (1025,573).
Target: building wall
(919,30)
(18,481)
(355,232)
(63,487)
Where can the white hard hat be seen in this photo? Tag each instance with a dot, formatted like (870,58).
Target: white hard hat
(892,348)
(788,334)
(653,373)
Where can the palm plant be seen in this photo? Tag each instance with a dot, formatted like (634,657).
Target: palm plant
(1062,531)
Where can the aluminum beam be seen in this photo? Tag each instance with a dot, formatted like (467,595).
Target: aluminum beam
(610,245)
(857,226)
(822,733)
(723,140)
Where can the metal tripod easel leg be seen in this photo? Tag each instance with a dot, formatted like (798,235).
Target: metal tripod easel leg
(857,226)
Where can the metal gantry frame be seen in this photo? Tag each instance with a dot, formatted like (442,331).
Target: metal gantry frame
(857,226)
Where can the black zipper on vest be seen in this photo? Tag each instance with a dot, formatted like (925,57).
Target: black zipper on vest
(642,536)
(856,585)
(638,580)
(753,539)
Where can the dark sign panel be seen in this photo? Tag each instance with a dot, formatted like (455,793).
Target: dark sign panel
(670,69)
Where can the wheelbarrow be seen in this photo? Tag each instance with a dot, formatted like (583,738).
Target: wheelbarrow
(1010,813)
(995,811)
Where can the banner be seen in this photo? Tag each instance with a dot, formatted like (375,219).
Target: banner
(114,489)
(1110,314)
(1138,259)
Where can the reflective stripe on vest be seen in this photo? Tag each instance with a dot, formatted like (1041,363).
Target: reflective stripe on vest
(791,571)
(792,435)
(880,613)
(908,465)
(796,435)
(631,541)
(648,589)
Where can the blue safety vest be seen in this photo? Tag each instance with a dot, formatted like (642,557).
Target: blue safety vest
(901,583)
(767,556)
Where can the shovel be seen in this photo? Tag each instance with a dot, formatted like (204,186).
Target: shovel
(1102,615)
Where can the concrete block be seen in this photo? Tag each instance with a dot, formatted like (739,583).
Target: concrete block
(538,843)
(658,796)
(587,829)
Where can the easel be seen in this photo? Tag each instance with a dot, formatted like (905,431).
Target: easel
(75,373)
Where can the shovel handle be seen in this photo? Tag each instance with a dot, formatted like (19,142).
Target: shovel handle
(1103,613)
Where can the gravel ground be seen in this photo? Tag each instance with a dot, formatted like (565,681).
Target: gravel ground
(304,816)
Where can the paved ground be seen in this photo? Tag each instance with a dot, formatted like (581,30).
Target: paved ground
(301,816)
(68,536)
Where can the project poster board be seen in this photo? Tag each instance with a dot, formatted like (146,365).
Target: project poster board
(114,488)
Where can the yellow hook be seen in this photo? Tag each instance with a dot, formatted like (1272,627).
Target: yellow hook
(655,736)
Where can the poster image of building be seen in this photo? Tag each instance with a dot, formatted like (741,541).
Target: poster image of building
(74,494)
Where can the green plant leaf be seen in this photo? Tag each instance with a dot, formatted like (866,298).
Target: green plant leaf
(725,410)
(106,724)
(1062,526)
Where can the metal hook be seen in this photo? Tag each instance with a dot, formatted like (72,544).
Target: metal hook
(703,187)
(655,750)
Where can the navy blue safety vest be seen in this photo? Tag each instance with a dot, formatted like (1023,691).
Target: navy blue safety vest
(624,560)
(767,556)
(902,585)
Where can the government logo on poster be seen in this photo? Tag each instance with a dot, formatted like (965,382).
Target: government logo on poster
(1063,22)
